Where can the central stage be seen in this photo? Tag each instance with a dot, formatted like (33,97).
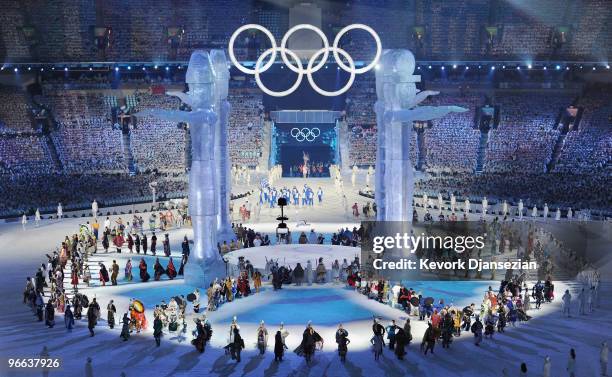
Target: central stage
(291,255)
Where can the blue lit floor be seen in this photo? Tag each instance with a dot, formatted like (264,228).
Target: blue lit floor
(297,307)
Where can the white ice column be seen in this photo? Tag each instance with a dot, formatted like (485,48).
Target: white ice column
(394,172)
(202,193)
(396,110)
(205,263)
(222,158)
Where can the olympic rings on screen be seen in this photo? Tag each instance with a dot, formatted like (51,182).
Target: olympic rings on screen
(308,134)
(311,68)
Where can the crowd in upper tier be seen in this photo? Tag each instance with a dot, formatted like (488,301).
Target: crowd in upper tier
(526,134)
(245,132)
(436,29)
(156,143)
(589,148)
(523,141)
(452,142)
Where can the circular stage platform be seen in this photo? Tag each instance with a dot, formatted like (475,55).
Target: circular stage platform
(291,255)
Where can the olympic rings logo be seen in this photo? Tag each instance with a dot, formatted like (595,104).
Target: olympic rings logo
(308,134)
(311,67)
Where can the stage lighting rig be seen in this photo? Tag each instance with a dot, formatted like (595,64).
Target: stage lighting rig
(282,230)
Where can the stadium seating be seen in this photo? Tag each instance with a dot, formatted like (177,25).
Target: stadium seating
(526,134)
(14,110)
(589,147)
(24,154)
(85,140)
(450,30)
(452,142)
(245,127)
(157,144)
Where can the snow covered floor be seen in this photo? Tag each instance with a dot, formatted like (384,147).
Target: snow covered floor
(21,336)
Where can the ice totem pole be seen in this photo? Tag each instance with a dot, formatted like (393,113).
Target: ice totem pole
(205,263)
(221,155)
(396,109)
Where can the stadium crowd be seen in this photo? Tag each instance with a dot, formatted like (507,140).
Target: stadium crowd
(26,193)
(13,110)
(156,143)
(526,134)
(589,148)
(245,127)
(83,144)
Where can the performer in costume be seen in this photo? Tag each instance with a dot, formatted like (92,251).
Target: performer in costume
(196,301)
(128,270)
(321,272)
(171,270)
(202,333)
(74,277)
(262,338)
(158,269)
(104,278)
(171,314)
(310,339)
(305,167)
(137,315)
(166,244)
(144,274)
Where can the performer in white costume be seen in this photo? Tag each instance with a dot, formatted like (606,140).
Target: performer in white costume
(94,209)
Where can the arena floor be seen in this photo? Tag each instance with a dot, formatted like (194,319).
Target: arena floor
(326,305)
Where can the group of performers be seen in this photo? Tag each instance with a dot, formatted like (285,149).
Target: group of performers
(170,270)
(245,211)
(162,220)
(172,314)
(241,174)
(305,197)
(309,170)
(165,220)
(508,305)
(311,341)
(225,290)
